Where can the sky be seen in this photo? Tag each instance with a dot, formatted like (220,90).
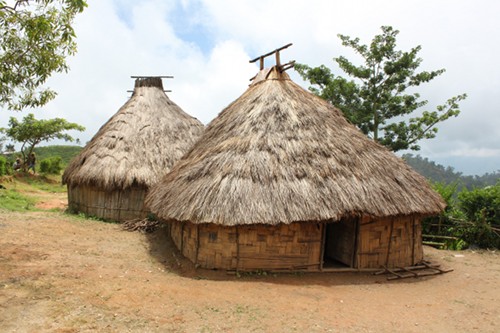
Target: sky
(207,44)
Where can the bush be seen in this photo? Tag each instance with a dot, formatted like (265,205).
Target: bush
(473,217)
(3,166)
(482,210)
(51,165)
(450,213)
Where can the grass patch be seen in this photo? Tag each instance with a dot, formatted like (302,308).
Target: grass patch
(15,201)
(46,183)
(83,216)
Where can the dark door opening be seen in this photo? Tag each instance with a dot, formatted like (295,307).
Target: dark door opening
(340,244)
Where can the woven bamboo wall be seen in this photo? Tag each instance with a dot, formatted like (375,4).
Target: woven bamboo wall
(379,246)
(116,205)
(294,246)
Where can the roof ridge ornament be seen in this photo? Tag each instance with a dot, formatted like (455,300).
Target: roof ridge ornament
(279,66)
(140,78)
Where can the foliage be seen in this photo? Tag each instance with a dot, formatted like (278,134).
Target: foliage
(2,140)
(3,166)
(35,39)
(482,208)
(30,132)
(473,217)
(443,222)
(66,153)
(377,101)
(51,165)
(447,175)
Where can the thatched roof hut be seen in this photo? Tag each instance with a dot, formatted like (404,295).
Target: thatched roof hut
(132,151)
(281,180)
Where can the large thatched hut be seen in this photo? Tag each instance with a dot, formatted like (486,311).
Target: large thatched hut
(281,180)
(133,150)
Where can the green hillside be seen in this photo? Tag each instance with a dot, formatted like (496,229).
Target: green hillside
(447,175)
(65,152)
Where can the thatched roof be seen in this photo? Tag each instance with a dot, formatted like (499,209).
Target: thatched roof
(139,144)
(279,154)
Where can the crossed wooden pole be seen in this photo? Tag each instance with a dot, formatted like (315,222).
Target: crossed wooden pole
(281,67)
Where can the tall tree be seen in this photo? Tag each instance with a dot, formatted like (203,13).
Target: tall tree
(30,132)
(377,100)
(36,36)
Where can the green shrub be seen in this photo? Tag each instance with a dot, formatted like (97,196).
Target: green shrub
(445,219)
(3,166)
(482,210)
(51,165)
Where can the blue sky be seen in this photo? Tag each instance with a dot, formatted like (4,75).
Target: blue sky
(206,46)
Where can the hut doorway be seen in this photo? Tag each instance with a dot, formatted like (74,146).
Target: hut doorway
(340,243)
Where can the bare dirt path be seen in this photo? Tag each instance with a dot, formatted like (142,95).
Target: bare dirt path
(60,273)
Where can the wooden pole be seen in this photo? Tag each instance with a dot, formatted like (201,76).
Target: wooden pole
(197,242)
(151,76)
(182,237)
(269,53)
(390,242)
(413,242)
(237,248)
(355,244)
(322,251)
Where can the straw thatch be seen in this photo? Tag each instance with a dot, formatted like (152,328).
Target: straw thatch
(279,154)
(138,145)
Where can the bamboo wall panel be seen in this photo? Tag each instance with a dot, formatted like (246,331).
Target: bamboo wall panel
(217,246)
(294,246)
(390,242)
(110,205)
(176,234)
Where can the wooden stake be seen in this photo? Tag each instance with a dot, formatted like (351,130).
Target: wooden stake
(237,248)
(197,243)
(390,242)
(323,245)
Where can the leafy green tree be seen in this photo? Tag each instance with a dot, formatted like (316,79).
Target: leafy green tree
(30,132)
(376,101)
(36,36)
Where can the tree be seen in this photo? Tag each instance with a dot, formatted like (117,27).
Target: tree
(36,36)
(376,101)
(30,132)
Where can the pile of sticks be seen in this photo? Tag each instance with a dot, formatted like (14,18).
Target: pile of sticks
(142,225)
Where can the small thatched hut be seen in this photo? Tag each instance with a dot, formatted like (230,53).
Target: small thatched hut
(133,150)
(281,180)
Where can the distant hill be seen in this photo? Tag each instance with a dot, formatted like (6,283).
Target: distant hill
(65,152)
(438,173)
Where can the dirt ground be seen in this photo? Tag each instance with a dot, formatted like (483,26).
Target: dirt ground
(62,273)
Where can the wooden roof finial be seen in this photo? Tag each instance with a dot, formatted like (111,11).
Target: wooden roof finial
(155,81)
(278,61)
(278,65)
